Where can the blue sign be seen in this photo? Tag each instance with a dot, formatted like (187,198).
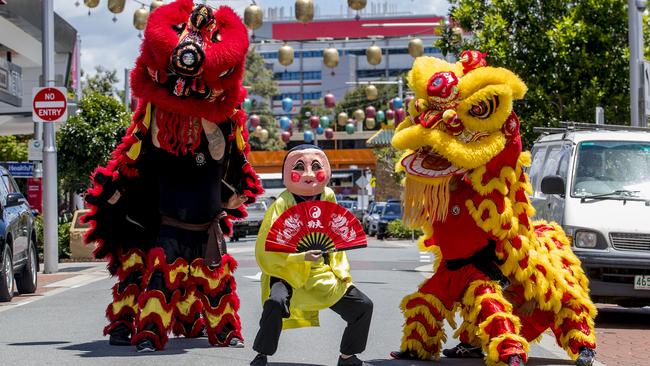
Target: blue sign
(20,170)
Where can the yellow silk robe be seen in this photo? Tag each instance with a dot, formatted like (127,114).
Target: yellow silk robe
(316,285)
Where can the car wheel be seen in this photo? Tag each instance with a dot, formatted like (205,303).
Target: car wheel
(27,280)
(6,275)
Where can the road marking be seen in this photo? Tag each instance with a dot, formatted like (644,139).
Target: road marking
(425,257)
(240,250)
(255,277)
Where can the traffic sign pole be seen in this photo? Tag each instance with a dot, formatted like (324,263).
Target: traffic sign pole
(50,199)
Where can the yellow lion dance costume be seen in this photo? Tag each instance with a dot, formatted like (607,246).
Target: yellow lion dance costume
(466,188)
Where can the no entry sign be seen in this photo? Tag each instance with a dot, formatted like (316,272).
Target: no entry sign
(49,105)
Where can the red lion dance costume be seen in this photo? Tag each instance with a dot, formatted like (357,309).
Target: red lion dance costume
(466,188)
(161,206)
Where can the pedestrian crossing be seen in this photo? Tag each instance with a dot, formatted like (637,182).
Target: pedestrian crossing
(425,257)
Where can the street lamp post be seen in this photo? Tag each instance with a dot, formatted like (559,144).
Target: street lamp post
(635,22)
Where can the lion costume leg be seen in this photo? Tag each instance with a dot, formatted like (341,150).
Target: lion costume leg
(217,290)
(188,321)
(122,311)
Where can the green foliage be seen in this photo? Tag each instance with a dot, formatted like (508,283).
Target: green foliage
(356,99)
(273,143)
(38,228)
(396,229)
(102,82)
(387,158)
(88,139)
(573,55)
(12,149)
(64,240)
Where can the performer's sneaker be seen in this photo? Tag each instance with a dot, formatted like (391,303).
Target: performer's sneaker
(145,346)
(259,360)
(120,336)
(404,355)
(351,361)
(236,343)
(586,357)
(516,360)
(463,350)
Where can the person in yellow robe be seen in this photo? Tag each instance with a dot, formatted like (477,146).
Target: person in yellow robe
(296,286)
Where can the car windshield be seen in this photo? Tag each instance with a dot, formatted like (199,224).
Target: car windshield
(612,168)
(377,209)
(256,206)
(345,204)
(393,210)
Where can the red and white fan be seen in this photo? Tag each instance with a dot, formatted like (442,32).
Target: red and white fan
(315,225)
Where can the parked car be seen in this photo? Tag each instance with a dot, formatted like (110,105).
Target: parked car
(390,212)
(251,224)
(352,207)
(372,214)
(596,184)
(19,257)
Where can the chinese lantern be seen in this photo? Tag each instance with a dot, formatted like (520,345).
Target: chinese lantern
(287,104)
(330,100)
(371,92)
(381,117)
(253,16)
(91,3)
(400,114)
(319,130)
(329,133)
(285,123)
(264,135)
(359,115)
(349,128)
(254,120)
(373,55)
(155,4)
(398,103)
(331,57)
(304,10)
(390,114)
(116,6)
(416,47)
(247,105)
(285,55)
(371,112)
(308,136)
(257,131)
(342,118)
(140,18)
(357,4)
(324,121)
(286,136)
(370,123)
(314,121)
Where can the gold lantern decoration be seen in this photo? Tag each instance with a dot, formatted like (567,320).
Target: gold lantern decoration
(342,119)
(91,3)
(357,4)
(140,18)
(304,10)
(116,6)
(155,4)
(331,57)
(373,54)
(263,134)
(359,115)
(253,16)
(371,92)
(416,47)
(285,55)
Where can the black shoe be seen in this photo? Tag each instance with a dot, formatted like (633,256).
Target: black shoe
(145,346)
(516,360)
(120,336)
(259,360)
(586,357)
(351,361)
(463,350)
(236,343)
(404,355)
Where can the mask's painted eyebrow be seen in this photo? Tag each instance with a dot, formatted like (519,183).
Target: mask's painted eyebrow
(299,162)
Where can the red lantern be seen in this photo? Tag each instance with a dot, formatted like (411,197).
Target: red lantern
(314,121)
(330,100)
(408,101)
(371,112)
(390,105)
(329,133)
(390,114)
(254,120)
(286,136)
(400,114)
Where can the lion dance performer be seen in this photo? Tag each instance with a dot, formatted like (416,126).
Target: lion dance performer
(466,188)
(161,206)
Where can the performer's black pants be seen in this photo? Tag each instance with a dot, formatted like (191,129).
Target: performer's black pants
(355,308)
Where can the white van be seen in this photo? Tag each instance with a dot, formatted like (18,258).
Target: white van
(273,186)
(596,184)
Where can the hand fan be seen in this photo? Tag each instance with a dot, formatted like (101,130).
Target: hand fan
(315,225)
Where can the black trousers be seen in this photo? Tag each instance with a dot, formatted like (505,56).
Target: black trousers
(355,308)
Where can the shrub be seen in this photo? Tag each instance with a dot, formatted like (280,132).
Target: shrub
(396,229)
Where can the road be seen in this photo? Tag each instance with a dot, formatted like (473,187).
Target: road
(62,323)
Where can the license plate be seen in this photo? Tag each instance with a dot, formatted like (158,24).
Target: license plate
(642,282)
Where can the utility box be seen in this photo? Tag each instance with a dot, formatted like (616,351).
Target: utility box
(78,229)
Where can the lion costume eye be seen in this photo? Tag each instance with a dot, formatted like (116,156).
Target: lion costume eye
(179,28)
(484,108)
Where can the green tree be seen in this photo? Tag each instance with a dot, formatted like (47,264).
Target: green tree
(356,99)
(88,138)
(103,82)
(573,55)
(12,149)
(258,79)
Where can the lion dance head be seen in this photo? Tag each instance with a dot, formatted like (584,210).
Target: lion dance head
(461,122)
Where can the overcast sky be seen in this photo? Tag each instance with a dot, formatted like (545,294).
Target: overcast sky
(115,45)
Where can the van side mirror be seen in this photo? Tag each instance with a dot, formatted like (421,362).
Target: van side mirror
(14,199)
(553,184)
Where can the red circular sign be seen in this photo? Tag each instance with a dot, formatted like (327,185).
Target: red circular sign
(50,104)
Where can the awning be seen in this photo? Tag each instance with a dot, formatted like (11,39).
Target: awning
(382,138)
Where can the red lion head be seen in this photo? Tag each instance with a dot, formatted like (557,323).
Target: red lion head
(192,60)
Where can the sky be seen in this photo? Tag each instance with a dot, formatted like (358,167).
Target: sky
(115,45)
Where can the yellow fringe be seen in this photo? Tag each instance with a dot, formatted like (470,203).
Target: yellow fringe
(492,358)
(425,202)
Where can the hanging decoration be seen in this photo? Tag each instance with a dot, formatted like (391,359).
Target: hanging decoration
(285,136)
(155,4)
(373,54)
(371,92)
(370,123)
(253,16)
(308,136)
(408,100)
(416,47)
(324,121)
(314,121)
(258,130)
(319,130)
(349,128)
(400,114)
(264,135)
(116,7)
(285,55)
(140,18)
(330,100)
(397,103)
(329,133)
(285,123)
(371,112)
(357,4)
(342,119)
(381,117)
(331,57)
(254,120)
(304,10)
(247,105)
(359,115)
(287,104)
(91,3)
